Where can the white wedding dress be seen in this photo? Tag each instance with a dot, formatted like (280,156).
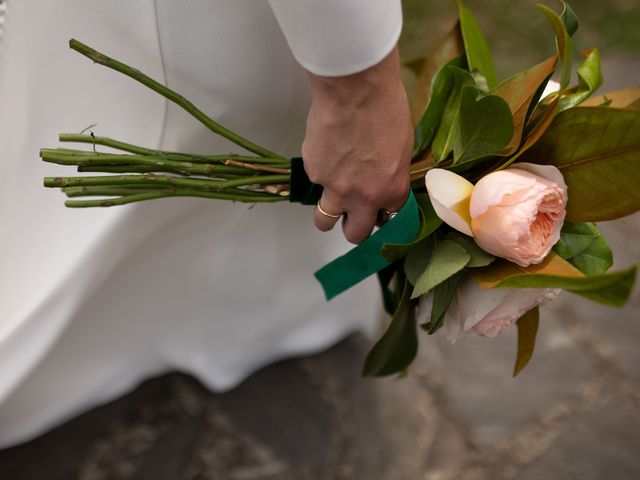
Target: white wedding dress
(94,301)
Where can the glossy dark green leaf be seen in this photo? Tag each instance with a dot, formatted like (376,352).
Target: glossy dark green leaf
(589,80)
(479,258)
(442,297)
(429,222)
(444,137)
(388,297)
(448,49)
(417,259)
(597,149)
(441,88)
(447,259)
(476,47)
(563,43)
(527,332)
(484,127)
(520,91)
(398,346)
(582,245)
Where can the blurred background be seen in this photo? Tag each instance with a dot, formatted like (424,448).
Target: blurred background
(574,413)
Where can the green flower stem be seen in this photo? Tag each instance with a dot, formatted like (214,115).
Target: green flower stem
(179,156)
(135,169)
(114,191)
(119,180)
(201,184)
(170,95)
(260,180)
(140,160)
(139,197)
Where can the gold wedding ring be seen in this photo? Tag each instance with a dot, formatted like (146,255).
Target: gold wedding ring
(327,214)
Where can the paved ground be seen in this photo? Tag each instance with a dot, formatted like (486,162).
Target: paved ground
(574,413)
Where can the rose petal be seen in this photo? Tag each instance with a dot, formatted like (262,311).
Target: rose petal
(548,172)
(492,188)
(450,194)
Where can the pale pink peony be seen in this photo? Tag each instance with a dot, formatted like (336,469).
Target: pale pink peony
(517,213)
(486,311)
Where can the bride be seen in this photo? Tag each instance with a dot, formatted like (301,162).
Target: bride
(95,301)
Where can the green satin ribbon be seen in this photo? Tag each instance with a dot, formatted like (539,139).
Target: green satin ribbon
(365,259)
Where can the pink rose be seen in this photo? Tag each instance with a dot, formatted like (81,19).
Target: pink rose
(486,311)
(515,213)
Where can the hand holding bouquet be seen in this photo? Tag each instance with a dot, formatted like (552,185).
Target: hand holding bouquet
(506,182)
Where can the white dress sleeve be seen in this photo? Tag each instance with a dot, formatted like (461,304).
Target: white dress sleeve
(339,37)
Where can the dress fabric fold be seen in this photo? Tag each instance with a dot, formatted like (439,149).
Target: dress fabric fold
(95,301)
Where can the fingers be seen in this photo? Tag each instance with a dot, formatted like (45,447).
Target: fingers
(358,224)
(327,213)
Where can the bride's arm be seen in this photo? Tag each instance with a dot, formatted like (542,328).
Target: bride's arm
(359,134)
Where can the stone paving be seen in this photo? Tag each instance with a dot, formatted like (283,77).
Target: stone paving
(573,413)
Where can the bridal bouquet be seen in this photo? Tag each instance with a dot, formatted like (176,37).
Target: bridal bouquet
(507,180)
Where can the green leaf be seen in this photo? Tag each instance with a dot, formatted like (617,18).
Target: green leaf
(597,149)
(447,259)
(417,259)
(590,79)
(476,47)
(540,125)
(484,128)
(441,89)
(451,47)
(569,19)
(398,346)
(384,279)
(610,289)
(479,258)
(429,222)
(442,297)
(582,245)
(527,332)
(563,43)
(443,140)
(521,91)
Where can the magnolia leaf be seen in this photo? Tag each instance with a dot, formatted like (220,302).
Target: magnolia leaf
(443,140)
(429,222)
(447,259)
(541,124)
(442,297)
(597,149)
(479,258)
(626,98)
(442,86)
(476,47)
(449,48)
(590,79)
(398,346)
(569,19)
(388,298)
(417,259)
(554,272)
(527,332)
(484,127)
(520,91)
(497,272)
(563,43)
(582,245)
